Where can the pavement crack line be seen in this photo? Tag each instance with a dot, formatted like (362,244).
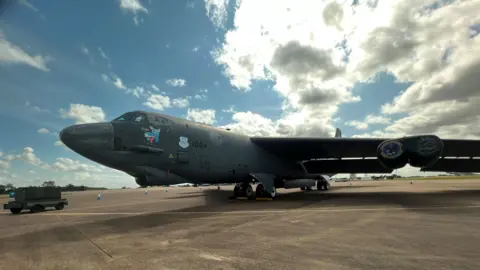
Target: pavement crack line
(86,237)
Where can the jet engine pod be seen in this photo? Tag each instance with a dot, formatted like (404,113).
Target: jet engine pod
(391,154)
(418,151)
(423,151)
(142,181)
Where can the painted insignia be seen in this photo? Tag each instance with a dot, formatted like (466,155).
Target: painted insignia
(391,150)
(183,142)
(152,135)
(427,145)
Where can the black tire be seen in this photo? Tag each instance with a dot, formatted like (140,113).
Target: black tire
(320,185)
(37,208)
(236,191)
(59,206)
(325,186)
(247,191)
(302,188)
(15,210)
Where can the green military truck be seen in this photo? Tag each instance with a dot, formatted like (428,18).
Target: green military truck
(36,199)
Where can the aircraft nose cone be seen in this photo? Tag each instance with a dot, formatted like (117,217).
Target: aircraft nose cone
(87,136)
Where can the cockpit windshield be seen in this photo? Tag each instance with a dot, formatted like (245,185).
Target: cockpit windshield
(132,117)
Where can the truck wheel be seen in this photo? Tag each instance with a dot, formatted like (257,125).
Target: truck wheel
(59,206)
(36,208)
(15,210)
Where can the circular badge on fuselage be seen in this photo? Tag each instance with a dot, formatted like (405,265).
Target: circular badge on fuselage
(391,150)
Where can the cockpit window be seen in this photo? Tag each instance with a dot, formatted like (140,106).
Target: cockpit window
(131,117)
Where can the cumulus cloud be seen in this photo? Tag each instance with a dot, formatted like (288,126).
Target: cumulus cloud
(158,102)
(314,61)
(137,91)
(180,102)
(135,7)
(201,116)
(11,54)
(83,114)
(217,12)
(369,120)
(176,82)
(200,97)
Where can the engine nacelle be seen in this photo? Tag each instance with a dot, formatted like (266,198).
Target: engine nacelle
(160,180)
(418,151)
(298,183)
(142,181)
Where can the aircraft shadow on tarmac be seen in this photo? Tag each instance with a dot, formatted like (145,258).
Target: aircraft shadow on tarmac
(216,201)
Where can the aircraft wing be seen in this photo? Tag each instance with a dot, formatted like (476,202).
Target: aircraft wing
(361,155)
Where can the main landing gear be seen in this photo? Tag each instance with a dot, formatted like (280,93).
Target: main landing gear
(323,184)
(246,190)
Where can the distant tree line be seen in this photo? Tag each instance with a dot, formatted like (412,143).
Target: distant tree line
(5,189)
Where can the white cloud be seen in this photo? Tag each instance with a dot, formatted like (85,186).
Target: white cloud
(158,102)
(59,143)
(176,82)
(203,91)
(135,7)
(200,97)
(217,12)
(83,114)
(315,60)
(84,50)
(155,88)
(43,131)
(4,164)
(137,91)
(201,116)
(12,54)
(369,120)
(195,49)
(102,54)
(180,102)
(46,131)
(230,110)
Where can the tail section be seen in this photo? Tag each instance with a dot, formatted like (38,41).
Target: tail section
(338,133)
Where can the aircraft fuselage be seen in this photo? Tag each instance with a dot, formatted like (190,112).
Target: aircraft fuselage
(159,146)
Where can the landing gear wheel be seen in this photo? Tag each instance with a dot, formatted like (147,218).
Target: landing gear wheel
(243,190)
(247,190)
(325,186)
(322,185)
(36,208)
(59,206)
(236,191)
(262,193)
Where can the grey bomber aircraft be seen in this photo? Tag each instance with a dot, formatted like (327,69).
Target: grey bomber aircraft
(158,149)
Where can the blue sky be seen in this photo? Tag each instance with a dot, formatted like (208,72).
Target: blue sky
(67,62)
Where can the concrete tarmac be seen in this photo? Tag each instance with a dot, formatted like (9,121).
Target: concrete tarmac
(358,225)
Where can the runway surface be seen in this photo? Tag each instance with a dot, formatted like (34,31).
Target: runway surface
(365,225)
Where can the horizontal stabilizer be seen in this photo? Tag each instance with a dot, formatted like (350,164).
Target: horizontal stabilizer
(335,166)
(454,165)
